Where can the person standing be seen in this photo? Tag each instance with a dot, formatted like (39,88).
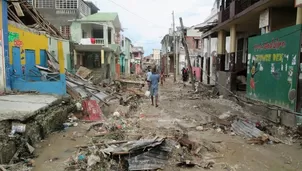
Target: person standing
(154,87)
(148,75)
(183,73)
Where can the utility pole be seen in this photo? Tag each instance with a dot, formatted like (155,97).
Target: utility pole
(167,55)
(174,46)
(184,43)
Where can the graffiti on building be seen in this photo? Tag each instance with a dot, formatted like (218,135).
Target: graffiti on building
(274,44)
(15,38)
(18,43)
(291,91)
(254,70)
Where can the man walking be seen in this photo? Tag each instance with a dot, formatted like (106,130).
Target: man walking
(154,87)
(148,75)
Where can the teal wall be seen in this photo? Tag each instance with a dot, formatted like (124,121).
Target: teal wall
(122,63)
(127,55)
(76,32)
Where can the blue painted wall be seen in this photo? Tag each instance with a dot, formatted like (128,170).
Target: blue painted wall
(23,79)
(44,87)
(5,44)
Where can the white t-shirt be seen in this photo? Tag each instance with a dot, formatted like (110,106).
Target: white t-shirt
(149,75)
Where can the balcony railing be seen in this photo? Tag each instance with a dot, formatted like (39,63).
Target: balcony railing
(244,4)
(66,11)
(99,41)
(93,41)
(225,14)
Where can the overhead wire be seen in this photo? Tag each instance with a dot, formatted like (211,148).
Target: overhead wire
(137,14)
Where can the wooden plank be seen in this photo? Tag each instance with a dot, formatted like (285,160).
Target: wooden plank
(18,9)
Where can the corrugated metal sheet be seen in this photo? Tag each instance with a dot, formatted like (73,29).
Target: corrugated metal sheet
(156,158)
(246,129)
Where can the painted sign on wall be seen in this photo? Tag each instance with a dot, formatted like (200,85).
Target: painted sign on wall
(272,71)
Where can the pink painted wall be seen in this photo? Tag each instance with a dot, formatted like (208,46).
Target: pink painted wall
(197,70)
(137,69)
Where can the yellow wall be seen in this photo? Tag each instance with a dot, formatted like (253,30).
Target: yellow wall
(30,41)
(61,57)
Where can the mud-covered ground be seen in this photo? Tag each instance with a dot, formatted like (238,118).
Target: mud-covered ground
(179,109)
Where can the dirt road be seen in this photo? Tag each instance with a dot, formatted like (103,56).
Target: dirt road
(180,110)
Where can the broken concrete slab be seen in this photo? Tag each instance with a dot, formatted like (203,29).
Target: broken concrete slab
(42,122)
(21,107)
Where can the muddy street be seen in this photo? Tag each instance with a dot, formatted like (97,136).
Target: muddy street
(77,80)
(180,113)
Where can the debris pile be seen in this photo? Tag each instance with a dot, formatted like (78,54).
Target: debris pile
(144,154)
(94,99)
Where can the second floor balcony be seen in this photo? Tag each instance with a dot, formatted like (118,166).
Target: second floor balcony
(230,8)
(93,41)
(94,34)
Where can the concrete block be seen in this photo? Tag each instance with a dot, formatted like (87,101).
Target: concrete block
(288,119)
(7,150)
(44,122)
(226,82)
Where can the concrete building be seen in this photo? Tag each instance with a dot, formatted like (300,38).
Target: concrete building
(125,56)
(29,57)
(265,49)
(209,49)
(156,56)
(128,53)
(98,40)
(138,54)
(59,12)
(194,44)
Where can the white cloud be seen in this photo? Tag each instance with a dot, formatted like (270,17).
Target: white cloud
(154,17)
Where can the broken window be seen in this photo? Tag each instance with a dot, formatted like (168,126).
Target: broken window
(66,4)
(44,4)
(65,31)
(196,43)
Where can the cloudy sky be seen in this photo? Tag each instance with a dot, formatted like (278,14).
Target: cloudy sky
(145,22)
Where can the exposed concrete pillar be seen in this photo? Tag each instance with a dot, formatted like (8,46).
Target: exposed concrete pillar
(166,63)
(209,68)
(112,36)
(220,61)
(105,34)
(299,15)
(177,56)
(233,48)
(75,58)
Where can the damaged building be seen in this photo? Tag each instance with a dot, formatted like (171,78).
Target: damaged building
(262,63)
(97,39)
(37,51)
